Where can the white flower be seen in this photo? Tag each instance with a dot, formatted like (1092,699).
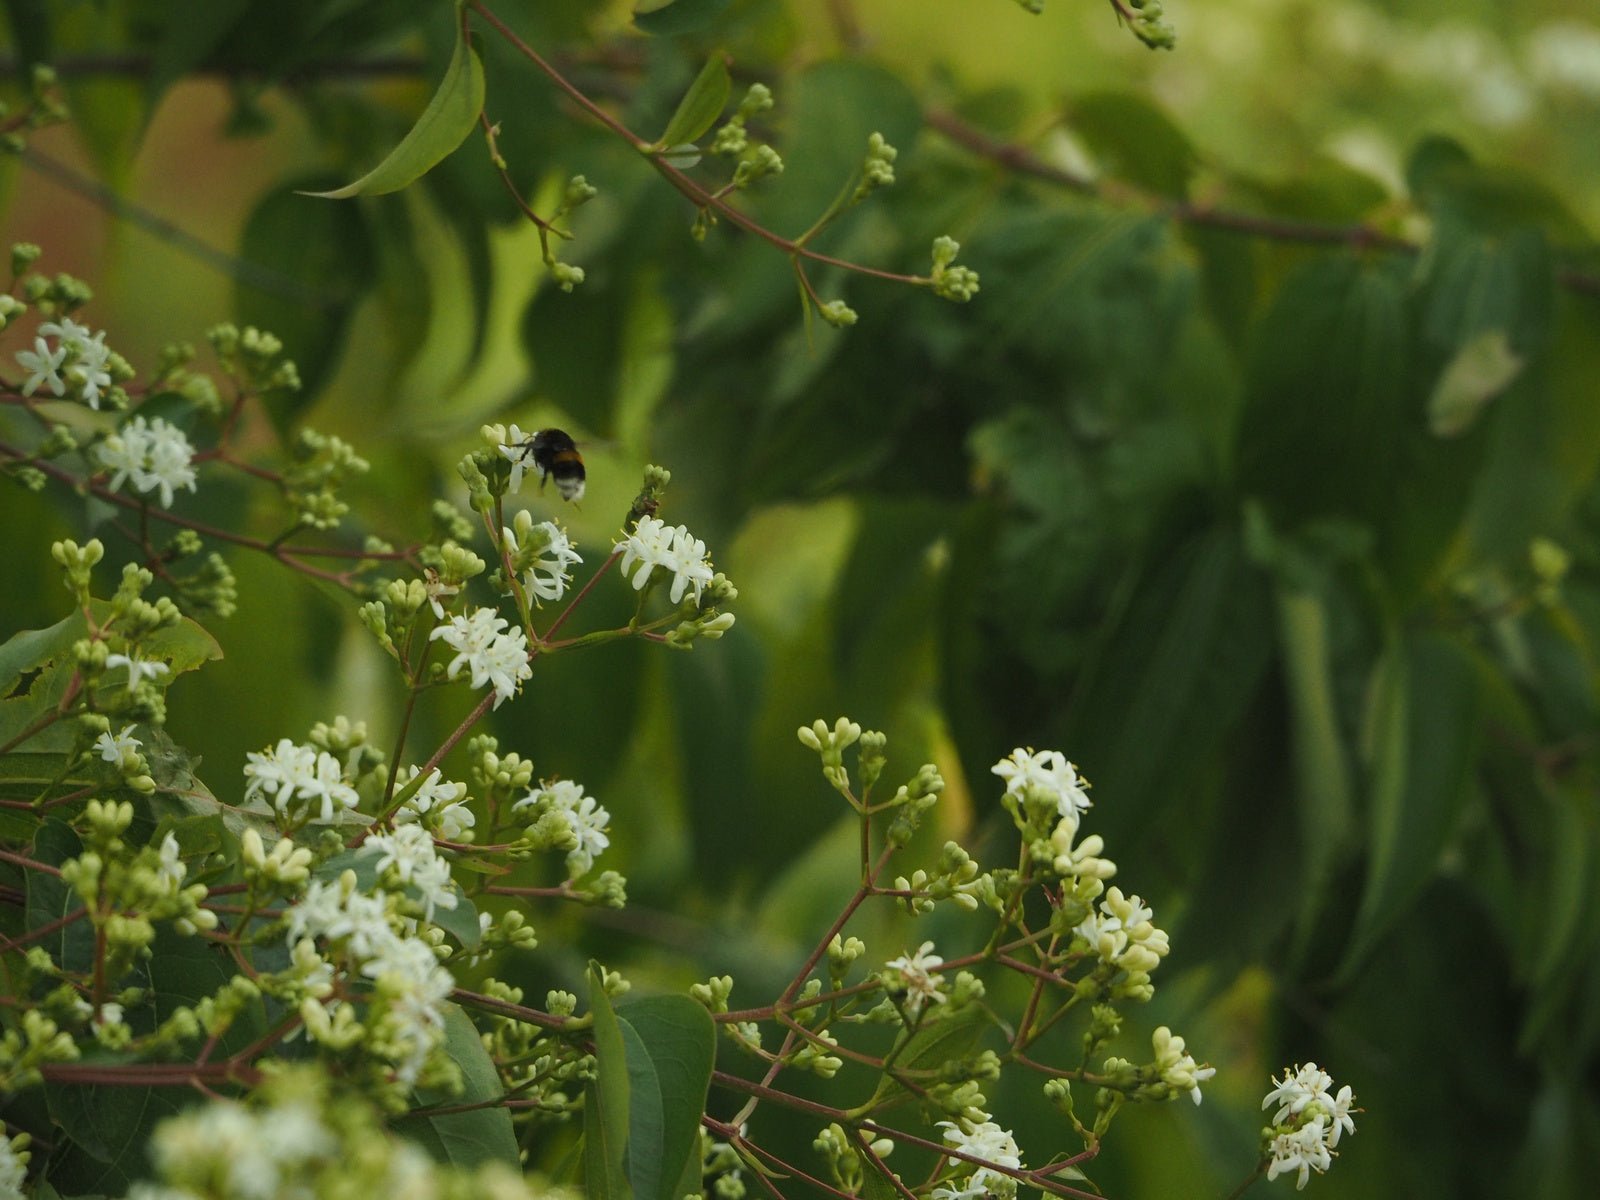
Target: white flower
(171,861)
(917,972)
(1046,773)
(1302,1150)
(409,852)
(652,544)
(585,816)
(88,369)
(1309,1122)
(515,448)
(43,366)
(138,668)
(549,574)
(112,749)
(981,1140)
(1177,1066)
(154,455)
(490,655)
(288,772)
(1565,55)
(437,804)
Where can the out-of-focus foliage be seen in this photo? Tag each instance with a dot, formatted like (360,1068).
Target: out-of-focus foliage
(1259,477)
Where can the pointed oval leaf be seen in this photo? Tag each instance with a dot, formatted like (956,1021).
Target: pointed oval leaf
(701,105)
(681,1041)
(605,1101)
(474,1137)
(443,126)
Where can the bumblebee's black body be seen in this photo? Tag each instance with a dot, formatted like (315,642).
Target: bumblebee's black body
(555,456)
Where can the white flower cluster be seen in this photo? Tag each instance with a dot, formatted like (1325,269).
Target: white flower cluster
(412,985)
(584,815)
(1309,1122)
(410,854)
(154,455)
(917,974)
(1046,774)
(985,1140)
(295,778)
(245,1153)
(547,576)
(675,550)
(83,358)
(1121,934)
(13,1167)
(493,654)
(439,804)
(1178,1068)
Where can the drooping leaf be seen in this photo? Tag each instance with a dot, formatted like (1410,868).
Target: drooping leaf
(701,105)
(443,126)
(1480,371)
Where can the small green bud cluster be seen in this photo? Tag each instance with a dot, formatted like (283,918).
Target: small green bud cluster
(839,1151)
(831,745)
(320,465)
(713,993)
(732,139)
(948,281)
(39,1042)
(877,168)
(55,296)
(837,313)
(254,358)
(1145,19)
(648,501)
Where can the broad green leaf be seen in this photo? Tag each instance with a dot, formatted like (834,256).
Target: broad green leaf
(668,18)
(606,1101)
(465,1139)
(642,1158)
(443,125)
(1423,727)
(1565,891)
(461,921)
(1480,371)
(190,30)
(322,265)
(679,1037)
(1135,141)
(701,105)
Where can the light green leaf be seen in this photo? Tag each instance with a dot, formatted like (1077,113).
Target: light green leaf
(701,105)
(1480,371)
(443,126)
(938,1042)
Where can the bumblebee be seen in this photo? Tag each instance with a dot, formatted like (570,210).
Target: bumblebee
(555,455)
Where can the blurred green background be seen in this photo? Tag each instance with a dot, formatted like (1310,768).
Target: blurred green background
(1218,506)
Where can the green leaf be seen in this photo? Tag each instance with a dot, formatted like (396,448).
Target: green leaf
(679,1039)
(465,1139)
(668,18)
(190,31)
(443,126)
(1135,141)
(605,1126)
(701,105)
(1422,726)
(322,265)
(30,30)
(49,899)
(642,1158)
(460,921)
(1324,794)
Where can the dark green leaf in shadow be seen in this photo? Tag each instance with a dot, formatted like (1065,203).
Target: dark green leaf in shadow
(669,18)
(1135,141)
